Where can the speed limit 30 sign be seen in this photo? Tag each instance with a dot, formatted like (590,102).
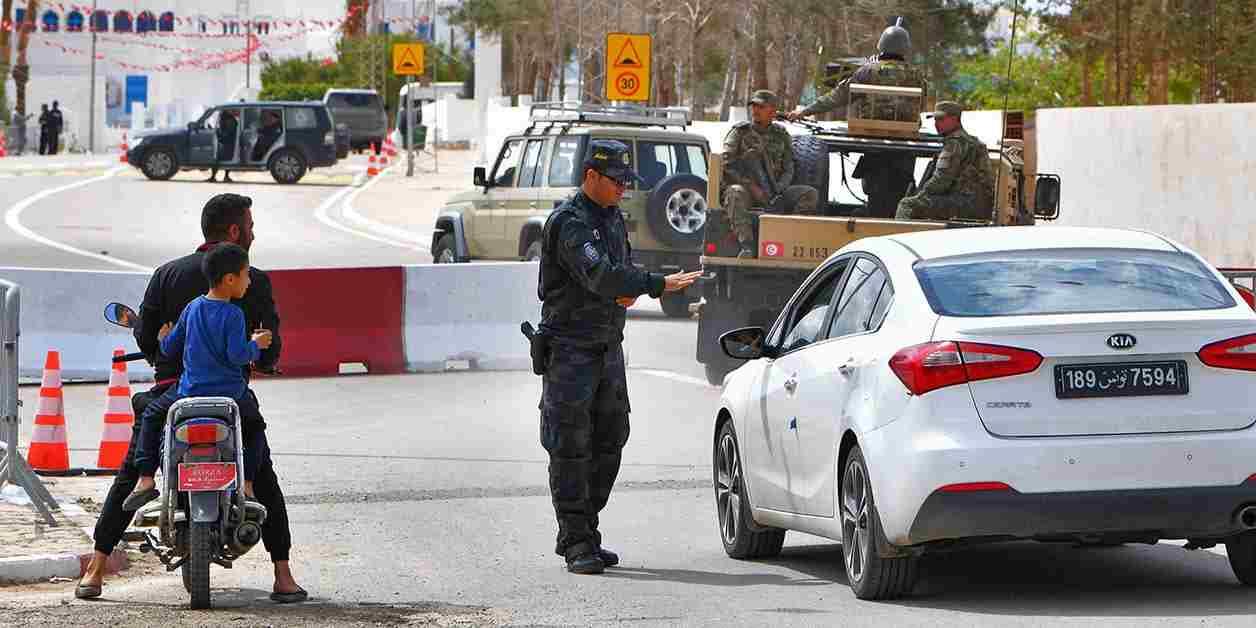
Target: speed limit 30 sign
(627,66)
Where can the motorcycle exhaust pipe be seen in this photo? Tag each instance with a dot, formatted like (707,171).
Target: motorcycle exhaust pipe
(246,535)
(1246,517)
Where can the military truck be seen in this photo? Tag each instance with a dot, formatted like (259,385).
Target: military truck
(539,168)
(740,292)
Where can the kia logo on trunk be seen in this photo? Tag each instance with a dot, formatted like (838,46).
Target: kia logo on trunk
(1122,341)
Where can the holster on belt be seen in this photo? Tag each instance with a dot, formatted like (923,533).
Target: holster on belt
(539,346)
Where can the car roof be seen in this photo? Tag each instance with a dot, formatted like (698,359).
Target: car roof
(348,90)
(975,240)
(271,103)
(626,130)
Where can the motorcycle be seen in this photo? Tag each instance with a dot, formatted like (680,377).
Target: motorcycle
(201,516)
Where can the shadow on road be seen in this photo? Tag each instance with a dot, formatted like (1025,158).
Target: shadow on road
(712,578)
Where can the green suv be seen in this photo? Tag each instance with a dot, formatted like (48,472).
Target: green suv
(538,169)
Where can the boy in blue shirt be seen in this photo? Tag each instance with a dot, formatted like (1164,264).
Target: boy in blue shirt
(215,346)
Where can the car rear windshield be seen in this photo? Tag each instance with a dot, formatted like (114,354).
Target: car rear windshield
(1069,281)
(354,100)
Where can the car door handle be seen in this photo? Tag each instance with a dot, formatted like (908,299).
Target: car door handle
(791,385)
(847,367)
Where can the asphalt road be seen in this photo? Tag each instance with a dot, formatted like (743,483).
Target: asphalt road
(421,500)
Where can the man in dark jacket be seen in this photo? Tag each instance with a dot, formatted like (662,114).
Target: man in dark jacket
(227,127)
(587,282)
(56,124)
(45,131)
(225,218)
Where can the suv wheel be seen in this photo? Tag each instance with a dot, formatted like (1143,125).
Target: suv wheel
(287,167)
(871,576)
(741,536)
(160,164)
(677,210)
(811,156)
(444,252)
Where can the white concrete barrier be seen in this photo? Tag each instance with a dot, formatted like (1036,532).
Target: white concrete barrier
(63,310)
(471,313)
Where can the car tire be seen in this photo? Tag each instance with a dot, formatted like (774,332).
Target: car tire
(677,211)
(741,536)
(533,253)
(1241,550)
(287,167)
(160,164)
(676,305)
(811,166)
(871,576)
(445,253)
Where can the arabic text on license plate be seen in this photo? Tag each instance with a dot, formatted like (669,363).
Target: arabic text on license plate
(1130,379)
(206,476)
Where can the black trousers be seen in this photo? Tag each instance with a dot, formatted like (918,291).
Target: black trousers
(113,521)
(43,141)
(584,427)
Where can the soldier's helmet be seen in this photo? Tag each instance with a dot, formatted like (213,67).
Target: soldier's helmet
(895,40)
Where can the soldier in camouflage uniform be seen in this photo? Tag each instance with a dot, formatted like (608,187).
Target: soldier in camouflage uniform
(885,177)
(959,182)
(586,284)
(759,171)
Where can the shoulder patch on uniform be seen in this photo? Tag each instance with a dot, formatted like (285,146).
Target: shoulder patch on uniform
(591,254)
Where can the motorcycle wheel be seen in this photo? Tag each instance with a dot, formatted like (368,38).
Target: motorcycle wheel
(196,568)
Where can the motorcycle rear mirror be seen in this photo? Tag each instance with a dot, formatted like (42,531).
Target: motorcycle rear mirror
(121,315)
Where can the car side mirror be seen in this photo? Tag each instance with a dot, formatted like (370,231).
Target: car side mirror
(121,315)
(480,177)
(1047,197)
(743,344)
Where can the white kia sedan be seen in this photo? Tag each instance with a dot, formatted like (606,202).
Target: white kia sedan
(928,389)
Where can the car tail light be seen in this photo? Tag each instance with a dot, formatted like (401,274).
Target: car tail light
(974,487)
(935,365)
(1235,353)
(1247,295)
(201,433)
(710,248)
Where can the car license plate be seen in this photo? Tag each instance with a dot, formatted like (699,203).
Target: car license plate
(206,476)
(1127,379)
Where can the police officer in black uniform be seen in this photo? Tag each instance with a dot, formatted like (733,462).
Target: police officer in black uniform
(587,282)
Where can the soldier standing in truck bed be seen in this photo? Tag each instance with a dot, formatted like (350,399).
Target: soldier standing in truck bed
(885,177)
(959,182)
(759,171)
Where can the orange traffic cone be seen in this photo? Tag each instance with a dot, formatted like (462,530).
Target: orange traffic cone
(119,418)
(122,157)
(372,168)
(4,151)
(49,452)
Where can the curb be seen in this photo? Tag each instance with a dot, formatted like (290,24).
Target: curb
(43,567)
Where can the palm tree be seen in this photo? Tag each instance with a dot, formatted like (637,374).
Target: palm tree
(6,53)
(21,69)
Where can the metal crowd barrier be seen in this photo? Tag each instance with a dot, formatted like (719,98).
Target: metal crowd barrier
(13,468)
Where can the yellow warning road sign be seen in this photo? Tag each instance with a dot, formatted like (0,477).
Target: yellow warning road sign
(628,66)
(407,59)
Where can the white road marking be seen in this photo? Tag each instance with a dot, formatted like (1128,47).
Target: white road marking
(13,219)
(678,377)
(405,235)
(344,200)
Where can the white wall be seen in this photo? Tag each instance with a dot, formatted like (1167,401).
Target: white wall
(1185,172)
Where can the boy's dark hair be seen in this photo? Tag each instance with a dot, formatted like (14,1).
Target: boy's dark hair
(220,213)
(222,260)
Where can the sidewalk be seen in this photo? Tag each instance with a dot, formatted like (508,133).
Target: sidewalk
(31,551)
(405,208)
(58,165)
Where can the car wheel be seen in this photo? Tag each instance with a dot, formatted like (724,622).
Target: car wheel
(444,253)
(742,537)
(871,576)
(533,253)
(160,164)
(676,305)
(287,167)
(811,156)
(677,210)
(1241,549)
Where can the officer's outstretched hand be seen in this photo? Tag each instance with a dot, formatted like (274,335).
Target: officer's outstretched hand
(626,302)
(680,281)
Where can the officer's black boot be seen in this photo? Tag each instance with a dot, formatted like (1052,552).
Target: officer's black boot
(609,558)
(584,559)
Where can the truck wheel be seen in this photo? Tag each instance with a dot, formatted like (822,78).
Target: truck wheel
(1241,549)
(811,159)
(676,305)
(444,252)
(287,167)
(160,164)
(196,568)
(677,210)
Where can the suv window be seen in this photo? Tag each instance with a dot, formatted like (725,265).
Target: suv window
(859,299)
(563,171)
(529,173)
(507,162)
(658,160)
(353,100)
(805,322)
(300,118)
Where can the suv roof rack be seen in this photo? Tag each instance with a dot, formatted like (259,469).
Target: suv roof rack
(571,112)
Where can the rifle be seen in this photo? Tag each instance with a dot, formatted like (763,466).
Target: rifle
(758,171)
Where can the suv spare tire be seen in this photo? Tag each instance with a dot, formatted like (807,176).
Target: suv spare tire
(811,166)
(677,210)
